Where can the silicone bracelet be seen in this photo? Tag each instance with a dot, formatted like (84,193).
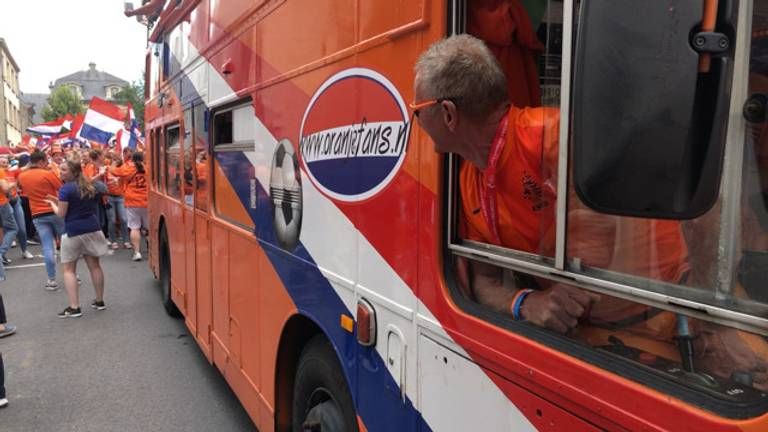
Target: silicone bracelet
(518,302)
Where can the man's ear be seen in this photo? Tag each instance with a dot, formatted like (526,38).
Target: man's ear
(450,115)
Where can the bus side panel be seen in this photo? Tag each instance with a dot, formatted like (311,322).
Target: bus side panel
(220,276)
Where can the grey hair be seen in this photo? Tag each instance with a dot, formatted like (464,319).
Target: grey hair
(461,67)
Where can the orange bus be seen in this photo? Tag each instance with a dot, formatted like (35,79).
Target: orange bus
(311,237)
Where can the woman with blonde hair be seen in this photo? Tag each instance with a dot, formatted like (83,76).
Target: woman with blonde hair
(77,203)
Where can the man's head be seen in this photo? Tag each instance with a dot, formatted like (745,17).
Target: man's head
(95,155)
(4,162)
(458,85)
(38,158)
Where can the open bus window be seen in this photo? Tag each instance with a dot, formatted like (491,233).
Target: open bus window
(730,364)
(641,261)
(189,166)
(201,157)
(173,165)
(233,134)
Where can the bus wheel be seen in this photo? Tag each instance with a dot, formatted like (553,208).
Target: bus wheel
(165,277)
(321,399)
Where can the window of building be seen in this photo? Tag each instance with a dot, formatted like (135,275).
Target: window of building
(645,269)
(234,182)
(173,162)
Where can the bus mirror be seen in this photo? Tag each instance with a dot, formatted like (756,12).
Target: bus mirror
(648,122)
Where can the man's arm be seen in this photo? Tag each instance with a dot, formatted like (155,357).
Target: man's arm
(149,9)
(557,308)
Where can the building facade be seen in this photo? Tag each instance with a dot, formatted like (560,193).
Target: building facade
(86,84)
(10,95)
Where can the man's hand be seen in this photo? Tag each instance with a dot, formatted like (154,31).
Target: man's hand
(722,351)
(557,308)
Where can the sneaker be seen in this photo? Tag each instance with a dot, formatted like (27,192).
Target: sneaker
(7,330)
(27,255)
(6,261)
(136,256)
(114,245)
(127,245)
(13,244)
(3,403)
(70,313)
(98,305)
(51,285)
(79,281)
(33,242)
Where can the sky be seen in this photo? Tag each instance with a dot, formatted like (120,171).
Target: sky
(50,39)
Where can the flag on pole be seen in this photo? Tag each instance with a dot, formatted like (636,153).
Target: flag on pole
(101,121)
(77,124)
(53,127)
(134,133)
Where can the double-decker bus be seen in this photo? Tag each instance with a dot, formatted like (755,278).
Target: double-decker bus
(312,240)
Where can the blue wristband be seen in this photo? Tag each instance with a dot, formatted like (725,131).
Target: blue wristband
(519,303)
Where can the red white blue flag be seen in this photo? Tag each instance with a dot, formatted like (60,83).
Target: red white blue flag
(101,121)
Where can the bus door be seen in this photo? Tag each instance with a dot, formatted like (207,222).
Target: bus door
(202,230)
(187,179)
(176,231)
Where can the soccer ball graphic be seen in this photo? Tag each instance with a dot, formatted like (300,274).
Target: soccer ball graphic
(285,191)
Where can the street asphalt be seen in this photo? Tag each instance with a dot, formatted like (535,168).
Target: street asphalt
(130,367)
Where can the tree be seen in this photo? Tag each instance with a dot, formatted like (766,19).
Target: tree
(133,94)
(63,101)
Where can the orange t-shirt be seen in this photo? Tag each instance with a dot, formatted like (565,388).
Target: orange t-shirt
(37,184)
(3,196)
(136,188)
(525,181)
(90,171)
(115,185)
(12,176)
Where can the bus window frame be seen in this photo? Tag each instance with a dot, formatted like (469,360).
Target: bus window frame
(215,147)
(175,125)
(157,159)
(200,105)
(555,269)
(715,306)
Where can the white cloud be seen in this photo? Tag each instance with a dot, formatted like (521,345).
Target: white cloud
(53,38)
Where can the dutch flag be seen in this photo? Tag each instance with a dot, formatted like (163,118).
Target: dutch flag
(101,121)
(52,127)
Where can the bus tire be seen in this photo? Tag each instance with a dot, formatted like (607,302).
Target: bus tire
(321,398)
(165,277)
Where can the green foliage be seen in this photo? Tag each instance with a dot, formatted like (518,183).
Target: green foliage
(133,94)
(63,101)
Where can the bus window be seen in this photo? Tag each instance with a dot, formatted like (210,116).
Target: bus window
(752,270)
(643,269)
(233,135)
(156,166)
(188,177)
(722,360)
(201,157)
(173,167)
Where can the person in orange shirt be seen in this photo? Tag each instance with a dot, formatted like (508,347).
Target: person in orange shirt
(506,29)
(18,210)
(38,183)
(7,220)
(134,177)
(116,208)
(507,182)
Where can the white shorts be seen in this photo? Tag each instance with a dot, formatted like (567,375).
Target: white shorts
(89,244)
(137,218)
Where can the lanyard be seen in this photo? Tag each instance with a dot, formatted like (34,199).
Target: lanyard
(488,181)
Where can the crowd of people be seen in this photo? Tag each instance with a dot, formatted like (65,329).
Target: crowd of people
(75,203)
